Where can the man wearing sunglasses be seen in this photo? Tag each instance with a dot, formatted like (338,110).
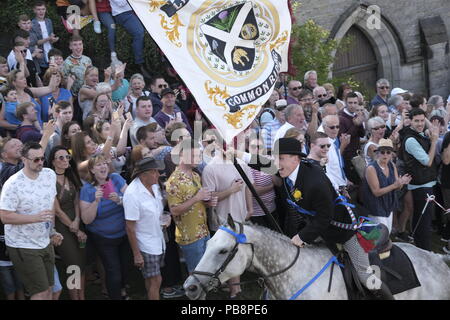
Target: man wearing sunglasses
(27,210)
(320,145)
(294,88)
(157,85)
(383,89)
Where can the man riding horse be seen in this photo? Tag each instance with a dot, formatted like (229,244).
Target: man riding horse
(310,193)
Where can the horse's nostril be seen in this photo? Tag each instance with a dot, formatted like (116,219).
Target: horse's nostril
(192,288)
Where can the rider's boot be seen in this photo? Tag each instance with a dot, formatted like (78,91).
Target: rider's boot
(384,293)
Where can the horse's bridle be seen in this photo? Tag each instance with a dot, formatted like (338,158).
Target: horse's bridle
(214,281)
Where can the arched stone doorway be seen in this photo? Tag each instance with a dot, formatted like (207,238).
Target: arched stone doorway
(359,60)
(385,41)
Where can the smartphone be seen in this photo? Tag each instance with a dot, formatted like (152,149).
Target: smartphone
(178,117)
(115,115)
(448,99)
(52,60)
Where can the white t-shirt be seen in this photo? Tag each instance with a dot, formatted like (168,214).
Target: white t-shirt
(144,208)
(47,45)
(119,6)
(218,175)
(26,196)
(281,132)
(12,62)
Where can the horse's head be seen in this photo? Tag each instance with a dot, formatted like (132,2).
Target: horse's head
(225,257)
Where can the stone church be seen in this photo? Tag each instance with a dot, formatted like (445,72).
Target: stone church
(404,41)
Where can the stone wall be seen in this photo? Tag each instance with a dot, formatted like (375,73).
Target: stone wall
(399,44)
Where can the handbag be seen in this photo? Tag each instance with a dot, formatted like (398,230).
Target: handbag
(359,163)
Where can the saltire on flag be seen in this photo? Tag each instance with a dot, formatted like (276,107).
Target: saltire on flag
(229,53)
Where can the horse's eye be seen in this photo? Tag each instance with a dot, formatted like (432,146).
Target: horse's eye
(223,251)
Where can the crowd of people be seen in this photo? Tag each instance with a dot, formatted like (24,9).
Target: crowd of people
(109,175)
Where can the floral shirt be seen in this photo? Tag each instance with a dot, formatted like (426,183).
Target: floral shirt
(76,66)
(191,225)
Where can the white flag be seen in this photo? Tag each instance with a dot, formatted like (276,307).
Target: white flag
(229,53)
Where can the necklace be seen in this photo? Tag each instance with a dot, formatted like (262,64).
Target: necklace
(384,168)
(60,174)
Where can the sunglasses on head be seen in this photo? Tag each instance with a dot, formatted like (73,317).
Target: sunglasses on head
(384,87)
(67,157)
(334,127)
(378,128)
(295,88)
(322,146)
(36,160)
(161,86)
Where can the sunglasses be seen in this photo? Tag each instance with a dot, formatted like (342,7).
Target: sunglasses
(378,128)
(322,146)
(162,86)
(209,141)
(322,95)
(68,157)
(388,152)
(295,88)
(384,87)
(334,127)
(36,160)
(23,51)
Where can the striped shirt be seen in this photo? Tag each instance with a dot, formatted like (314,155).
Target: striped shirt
(269,131)
(263,180)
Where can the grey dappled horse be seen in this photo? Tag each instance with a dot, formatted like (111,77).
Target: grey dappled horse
(273,252)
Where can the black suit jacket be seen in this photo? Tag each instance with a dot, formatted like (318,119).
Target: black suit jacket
(319,196)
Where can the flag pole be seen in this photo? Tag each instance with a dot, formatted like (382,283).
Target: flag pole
(255,194)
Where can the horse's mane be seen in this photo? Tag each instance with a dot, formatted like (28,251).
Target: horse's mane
(270,234)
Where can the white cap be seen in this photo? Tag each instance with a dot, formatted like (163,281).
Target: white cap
(280,103)
(397,91)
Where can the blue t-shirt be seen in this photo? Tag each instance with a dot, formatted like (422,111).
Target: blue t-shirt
(64,94)
(110,219)
(121,92)
(10,113)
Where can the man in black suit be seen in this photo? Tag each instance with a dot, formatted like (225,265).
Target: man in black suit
(309,191)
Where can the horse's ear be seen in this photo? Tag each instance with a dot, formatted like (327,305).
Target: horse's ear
(230,222)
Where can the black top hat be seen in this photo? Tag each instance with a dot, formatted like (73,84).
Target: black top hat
(166,91)
(288,146)
(147,164)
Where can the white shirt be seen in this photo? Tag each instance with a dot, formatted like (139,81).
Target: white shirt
(281,132)
(293,175)
(136,125)
(144,208)
(26,196)
(333,167)
(119,6)
(47,45)
(12,59)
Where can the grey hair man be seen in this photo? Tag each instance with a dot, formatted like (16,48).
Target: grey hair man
(310,80)
(335,165)
(295,117)
(383,89)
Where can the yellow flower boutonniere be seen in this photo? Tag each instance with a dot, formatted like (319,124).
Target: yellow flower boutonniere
(297,194)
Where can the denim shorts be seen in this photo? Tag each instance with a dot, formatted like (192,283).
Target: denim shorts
(9,280)
(193,252)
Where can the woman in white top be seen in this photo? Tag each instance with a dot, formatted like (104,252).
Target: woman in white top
(376,127)
(137,85)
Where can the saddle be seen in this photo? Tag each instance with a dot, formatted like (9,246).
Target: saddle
(397,271)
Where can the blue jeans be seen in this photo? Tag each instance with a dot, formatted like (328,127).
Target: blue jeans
(115,257)
(193,252)
(107,20)
(134,27)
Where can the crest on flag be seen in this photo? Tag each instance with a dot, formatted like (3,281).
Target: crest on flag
(228,52)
